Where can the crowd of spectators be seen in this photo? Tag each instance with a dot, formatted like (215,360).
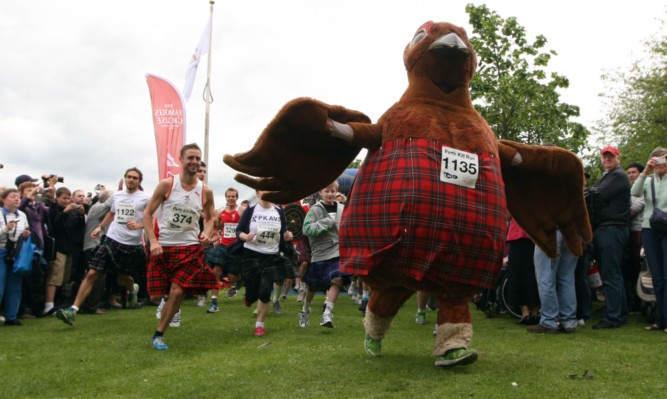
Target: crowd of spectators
(553,295)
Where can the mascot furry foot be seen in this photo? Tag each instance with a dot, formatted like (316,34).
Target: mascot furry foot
(428,210)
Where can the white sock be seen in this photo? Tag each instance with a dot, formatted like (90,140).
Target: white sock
(48,306)
(366,294)
(328,306)
(259,324)
(76,308)
(306,306)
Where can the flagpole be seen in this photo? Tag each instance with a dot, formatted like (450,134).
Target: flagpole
(208,97)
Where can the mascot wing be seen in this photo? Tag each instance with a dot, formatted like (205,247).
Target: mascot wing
(294,156)
(544,187)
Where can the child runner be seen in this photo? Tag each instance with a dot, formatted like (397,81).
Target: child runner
(321,226)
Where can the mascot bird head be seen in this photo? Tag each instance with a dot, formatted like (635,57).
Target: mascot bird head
(439,59)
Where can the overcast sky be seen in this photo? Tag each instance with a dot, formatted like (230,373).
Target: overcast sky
(74,99)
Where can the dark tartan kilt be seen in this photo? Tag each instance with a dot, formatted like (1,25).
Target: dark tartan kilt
(219,256)
(270,267)
(112,256)
(182,265)
(400,212)
(319,274)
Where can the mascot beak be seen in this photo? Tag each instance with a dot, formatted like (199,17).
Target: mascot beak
(449,44)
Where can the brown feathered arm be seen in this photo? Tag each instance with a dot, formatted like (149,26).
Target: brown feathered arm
(295,156)
(545,191)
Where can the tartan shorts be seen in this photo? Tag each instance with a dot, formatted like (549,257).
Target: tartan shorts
(220,256)
(319,274)
(111,256)
(182,265)
(260,271)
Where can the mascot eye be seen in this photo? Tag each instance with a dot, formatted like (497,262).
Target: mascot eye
(420,35)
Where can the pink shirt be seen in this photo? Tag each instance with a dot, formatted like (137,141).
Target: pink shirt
(515,232)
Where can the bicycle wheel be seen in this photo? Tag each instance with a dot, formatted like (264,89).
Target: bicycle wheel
(513,310)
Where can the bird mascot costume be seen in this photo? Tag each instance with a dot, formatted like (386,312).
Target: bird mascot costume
(429,207)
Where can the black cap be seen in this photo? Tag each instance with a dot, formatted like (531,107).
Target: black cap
(23,179)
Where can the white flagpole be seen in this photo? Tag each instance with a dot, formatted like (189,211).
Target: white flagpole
(208,97)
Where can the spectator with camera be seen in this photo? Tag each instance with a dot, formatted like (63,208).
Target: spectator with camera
(654,189)
(13,224)
(66,220)
(611,236)
(37,214)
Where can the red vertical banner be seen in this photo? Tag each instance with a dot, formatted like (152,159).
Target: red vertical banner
(169,123)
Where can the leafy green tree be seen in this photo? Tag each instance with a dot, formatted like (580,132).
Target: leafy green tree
(511,90)
(636,119)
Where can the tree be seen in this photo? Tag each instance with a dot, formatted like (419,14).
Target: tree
(511,90)
(355,164)
(637,105)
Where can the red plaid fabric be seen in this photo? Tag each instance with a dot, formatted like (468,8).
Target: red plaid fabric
(401,212)
(180,265)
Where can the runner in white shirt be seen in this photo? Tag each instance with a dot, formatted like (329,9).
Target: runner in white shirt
(121,250)
(175,266)
(262,236)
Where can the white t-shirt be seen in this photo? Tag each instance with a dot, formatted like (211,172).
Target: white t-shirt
(127,207)
(266,223)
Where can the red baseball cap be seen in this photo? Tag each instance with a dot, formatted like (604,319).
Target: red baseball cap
(610,149)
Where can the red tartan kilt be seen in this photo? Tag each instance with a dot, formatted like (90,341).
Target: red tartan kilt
(400,212)
(182,265)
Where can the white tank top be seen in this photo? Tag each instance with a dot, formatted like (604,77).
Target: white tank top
(178,216)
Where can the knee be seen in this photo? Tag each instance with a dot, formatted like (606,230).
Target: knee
(176,291)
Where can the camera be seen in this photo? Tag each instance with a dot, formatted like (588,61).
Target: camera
(46,179)
(661,161)
(60,178)
(77,206)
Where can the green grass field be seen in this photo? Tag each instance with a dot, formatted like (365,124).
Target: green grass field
(217,356)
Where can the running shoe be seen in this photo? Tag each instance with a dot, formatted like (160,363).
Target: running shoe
(231,293)
(373,346)
(327,320)
(201,301)
(158,312)
(68,316)
(453,357)
(176,320)
(284,298)
(132,297)
(304,319)
(420,317)
(213,308)
(276,308)
(158,343)
(259,331)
